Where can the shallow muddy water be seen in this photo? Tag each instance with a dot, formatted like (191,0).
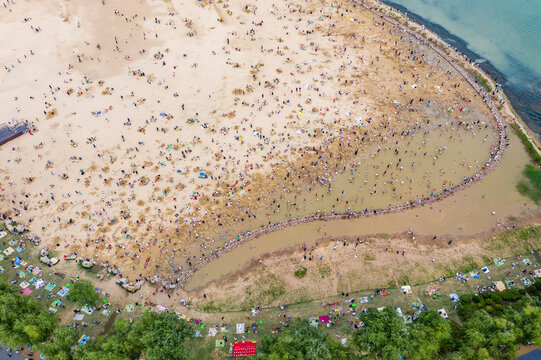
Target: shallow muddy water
(467,212)
(435,156)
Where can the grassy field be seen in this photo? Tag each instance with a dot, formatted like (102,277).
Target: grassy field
(531,185)
(483,81)
(333,271)
(269,317)
(203,346)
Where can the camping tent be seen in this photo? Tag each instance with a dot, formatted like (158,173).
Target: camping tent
(324,319)
(406,289)
(500,286)
(247,348)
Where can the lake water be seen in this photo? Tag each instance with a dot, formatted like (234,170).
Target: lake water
(504,35)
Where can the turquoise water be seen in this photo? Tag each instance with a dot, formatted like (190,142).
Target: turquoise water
(505,35)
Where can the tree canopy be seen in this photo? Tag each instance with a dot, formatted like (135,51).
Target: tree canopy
(159,336)
(491,327)
(301,341)
(384,334)
(22,319)
(60,348)
(162,336)
(82,292)
(493,324)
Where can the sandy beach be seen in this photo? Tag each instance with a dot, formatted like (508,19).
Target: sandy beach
(162,130)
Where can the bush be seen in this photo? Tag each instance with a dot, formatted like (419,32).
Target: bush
(300,272)
(532,290)
(302,341)
(510,295)
(467,310)
(83,293)
(496,297)
(498,309)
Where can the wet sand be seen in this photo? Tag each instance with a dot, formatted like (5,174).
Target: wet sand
(466,213)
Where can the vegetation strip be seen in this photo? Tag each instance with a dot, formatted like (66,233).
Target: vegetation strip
(532,148)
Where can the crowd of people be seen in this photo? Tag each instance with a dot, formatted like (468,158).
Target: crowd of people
(160,201)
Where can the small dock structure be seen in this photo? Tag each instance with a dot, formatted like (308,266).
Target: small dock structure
(12,131)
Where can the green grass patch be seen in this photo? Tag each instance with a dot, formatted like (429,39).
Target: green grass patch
(267,290)
(300,272)
(530,146)
(404,280)
(481,80)
(468,264)
(211,307)
(531,186)
(274,292)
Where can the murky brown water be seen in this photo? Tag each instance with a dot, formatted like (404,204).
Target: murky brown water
(437,156)
(467,212)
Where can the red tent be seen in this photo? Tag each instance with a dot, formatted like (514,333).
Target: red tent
(247,348)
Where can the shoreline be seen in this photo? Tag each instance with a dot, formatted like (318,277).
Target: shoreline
(500,130)
(461,46)
(531,138)
(486,68)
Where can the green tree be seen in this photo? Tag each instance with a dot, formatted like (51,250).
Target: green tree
(529,321)
(159,336)
(22,320)
(302,341)
(384,335)
(127,339)
(123,343)
(61,346)
(162,336)
(486,337)
(430,335)
(96,351)
(83,293)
